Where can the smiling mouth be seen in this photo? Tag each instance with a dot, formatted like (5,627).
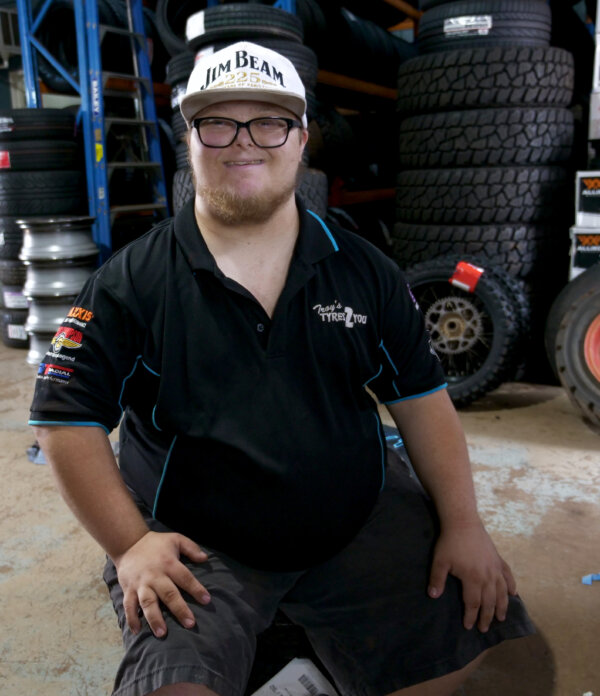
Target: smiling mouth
(242,163)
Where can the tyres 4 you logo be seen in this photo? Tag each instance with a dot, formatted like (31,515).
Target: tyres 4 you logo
(336,312)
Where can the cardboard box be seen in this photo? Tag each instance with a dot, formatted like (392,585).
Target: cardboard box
(585,249)
(300,677)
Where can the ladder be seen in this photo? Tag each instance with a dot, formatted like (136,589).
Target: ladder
(95,87)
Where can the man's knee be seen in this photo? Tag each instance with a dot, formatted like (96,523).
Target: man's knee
(183,689)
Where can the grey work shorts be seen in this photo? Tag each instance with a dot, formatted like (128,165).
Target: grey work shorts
(365,611)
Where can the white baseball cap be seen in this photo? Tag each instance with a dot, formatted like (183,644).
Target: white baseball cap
(244,71)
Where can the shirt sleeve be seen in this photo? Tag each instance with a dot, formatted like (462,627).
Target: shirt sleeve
(81,378)
(409,366)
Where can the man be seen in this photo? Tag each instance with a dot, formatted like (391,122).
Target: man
(240,340)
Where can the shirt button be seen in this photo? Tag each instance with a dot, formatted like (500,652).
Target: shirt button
(260,328)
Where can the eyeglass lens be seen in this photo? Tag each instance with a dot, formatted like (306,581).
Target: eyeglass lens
(265,132)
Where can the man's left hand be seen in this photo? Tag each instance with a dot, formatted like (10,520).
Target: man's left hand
(467,552)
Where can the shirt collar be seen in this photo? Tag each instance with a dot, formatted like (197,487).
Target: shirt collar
(315,240)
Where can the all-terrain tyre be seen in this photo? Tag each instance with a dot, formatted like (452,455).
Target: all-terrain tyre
(473,333)
(486,138)
(486,77)
(520,249)
(482,195)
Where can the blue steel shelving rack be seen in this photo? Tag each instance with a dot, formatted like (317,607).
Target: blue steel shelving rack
(90,117)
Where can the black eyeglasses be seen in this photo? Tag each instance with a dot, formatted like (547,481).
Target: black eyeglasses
(268,131)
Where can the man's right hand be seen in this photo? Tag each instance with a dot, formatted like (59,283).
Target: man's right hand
(151,572)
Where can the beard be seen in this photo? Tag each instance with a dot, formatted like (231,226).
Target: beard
(232,209)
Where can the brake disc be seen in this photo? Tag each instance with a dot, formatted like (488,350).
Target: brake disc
(455,325)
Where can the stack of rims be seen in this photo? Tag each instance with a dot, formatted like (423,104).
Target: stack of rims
(60,255)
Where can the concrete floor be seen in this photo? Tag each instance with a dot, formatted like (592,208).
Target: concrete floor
(537,472)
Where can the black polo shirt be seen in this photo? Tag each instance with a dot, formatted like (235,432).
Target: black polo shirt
(251,435)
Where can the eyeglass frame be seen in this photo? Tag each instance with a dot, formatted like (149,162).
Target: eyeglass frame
(290,122)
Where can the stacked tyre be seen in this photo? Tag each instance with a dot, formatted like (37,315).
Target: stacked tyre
(40,174)
(216,27)
(485,145)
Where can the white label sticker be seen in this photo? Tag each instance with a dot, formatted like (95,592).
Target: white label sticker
(177,95)
(195,25)
(468,25)
(15,300)
(17,331)
(7,124)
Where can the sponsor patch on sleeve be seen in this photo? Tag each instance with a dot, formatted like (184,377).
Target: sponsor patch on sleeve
(80,313)
(55,373)
(66,337)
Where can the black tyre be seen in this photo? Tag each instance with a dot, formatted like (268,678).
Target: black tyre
(171,16)
(13,297)
(241,21)
(36,124)
(565,298)
(11,238)
(522,250)
(475,196)
(38,155)
(179,67)
(13,272)
(314,189)
(517,290)
(183,189)
(364,50)
(178,125)
(41,193)
(490,22)
(577,343)
(473,333)
(479,78)
(428,4)
(13,328)
(542,289)
(181,156)
(486,138)
(332,145)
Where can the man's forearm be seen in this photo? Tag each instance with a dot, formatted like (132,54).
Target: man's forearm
(435,442)
(89,480)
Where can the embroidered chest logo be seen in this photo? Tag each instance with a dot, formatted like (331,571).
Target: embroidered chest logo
(336,312)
